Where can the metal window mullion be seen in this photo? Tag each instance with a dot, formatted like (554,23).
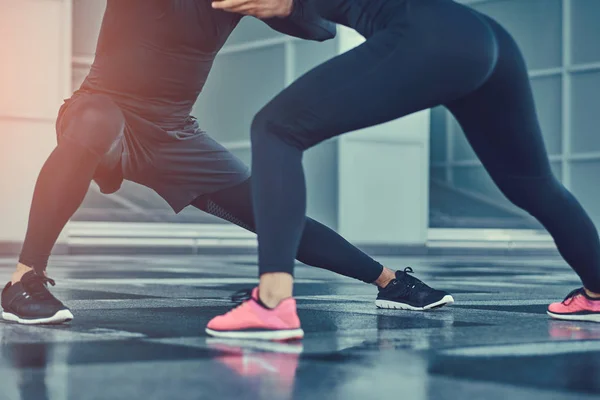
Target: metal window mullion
(472,3)
(290,62)
(566,93)
(465,163)
(449,147)
(587,156)
(477,163)
(584,67)
(546,72)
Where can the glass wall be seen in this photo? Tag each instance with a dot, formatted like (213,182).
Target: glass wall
(559,41)
(558,38)
(255,64)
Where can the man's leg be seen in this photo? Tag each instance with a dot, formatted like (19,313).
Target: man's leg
(319,247)
(87,129)
(201,172)
(323,248)
(182,172)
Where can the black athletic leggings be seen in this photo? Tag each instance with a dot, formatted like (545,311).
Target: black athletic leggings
(319,246)
(88,134)
(443,54)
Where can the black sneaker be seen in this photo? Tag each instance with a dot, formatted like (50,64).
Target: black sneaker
(408,293)
(29,302)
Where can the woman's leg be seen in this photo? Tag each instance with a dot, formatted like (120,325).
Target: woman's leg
(501,124)
(443,53)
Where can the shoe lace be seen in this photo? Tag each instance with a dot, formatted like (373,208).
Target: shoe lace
(241,296)
(571,296)
(37,287)
(411,281)
(407,285)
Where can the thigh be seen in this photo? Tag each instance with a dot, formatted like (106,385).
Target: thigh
(180,171)
(442,53)
(500,120)
(232,204)
(95,122)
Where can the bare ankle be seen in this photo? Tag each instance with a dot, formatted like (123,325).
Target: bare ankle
(21,270)
(592,294)
(387,275)
(275,287)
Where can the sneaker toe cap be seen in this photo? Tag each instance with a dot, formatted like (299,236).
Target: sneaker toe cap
(557,308)
(217,323)
(437,295)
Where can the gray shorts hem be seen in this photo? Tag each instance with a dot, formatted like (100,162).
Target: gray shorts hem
(179,197)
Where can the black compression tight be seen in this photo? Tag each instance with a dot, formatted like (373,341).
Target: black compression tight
(446,54)
(60,189)
(87,130)
(319,246)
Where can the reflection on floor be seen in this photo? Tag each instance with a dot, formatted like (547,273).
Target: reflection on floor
(138,334)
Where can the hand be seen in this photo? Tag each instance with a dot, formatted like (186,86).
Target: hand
(262,9)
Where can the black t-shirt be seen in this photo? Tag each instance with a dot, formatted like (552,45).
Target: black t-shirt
(365,16)
(153,56)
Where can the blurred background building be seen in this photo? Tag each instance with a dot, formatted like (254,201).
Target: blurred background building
(406,184)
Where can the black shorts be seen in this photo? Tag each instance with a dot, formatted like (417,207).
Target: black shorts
(179,165)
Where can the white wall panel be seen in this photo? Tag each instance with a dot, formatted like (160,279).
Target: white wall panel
(35,52)
(35,49)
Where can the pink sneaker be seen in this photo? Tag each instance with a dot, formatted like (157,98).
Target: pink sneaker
(250,320)
(577,306)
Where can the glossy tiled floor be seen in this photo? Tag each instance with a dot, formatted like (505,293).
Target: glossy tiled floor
(138,334)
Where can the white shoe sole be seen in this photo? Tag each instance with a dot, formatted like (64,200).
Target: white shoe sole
(572,317)
(258,335)
(60,317)
(402,306)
